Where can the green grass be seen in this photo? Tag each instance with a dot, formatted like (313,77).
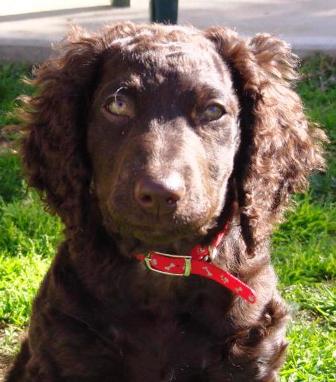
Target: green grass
(12,186)
(20,276)
(11,87)
(304,247)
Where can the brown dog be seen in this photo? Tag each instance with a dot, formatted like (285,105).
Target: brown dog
(150,139)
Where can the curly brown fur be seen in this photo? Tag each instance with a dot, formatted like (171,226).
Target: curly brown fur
(99,314)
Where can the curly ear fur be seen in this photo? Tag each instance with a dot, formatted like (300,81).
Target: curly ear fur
(280,148)
(54,152)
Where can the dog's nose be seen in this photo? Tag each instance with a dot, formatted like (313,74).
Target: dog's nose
(159,197)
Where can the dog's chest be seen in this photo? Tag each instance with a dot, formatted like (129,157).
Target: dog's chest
(174,336)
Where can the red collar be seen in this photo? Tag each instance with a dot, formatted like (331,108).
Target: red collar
(197,262)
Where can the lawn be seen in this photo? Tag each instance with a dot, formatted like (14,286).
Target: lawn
(304,247)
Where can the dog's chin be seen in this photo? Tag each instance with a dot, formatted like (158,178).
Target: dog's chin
(166,236)
(175,238)
(175,243)
(176,234)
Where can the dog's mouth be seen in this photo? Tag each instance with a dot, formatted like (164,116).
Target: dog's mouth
(162,234)
(172,236)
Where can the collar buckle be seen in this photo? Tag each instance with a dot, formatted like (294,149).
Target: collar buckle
(187,264)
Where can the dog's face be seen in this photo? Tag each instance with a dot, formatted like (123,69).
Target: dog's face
(162,135)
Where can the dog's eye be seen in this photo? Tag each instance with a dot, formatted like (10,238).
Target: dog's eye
(212,112)
(120,105)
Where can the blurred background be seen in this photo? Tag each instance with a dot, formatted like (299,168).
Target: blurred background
(309,25)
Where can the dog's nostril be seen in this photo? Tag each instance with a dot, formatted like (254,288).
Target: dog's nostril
(159,196)
(146,199)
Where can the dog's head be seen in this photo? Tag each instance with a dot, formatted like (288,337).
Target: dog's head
(162,134)
(156,127)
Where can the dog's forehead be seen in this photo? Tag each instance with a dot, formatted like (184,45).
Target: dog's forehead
(173,52)
(167,41)
(162,38)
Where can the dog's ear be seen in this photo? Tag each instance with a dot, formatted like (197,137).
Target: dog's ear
(279,148)
(54,147)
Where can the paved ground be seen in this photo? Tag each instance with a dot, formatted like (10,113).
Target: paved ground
(309,25)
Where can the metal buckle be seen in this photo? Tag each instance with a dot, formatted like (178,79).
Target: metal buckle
(187,264)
